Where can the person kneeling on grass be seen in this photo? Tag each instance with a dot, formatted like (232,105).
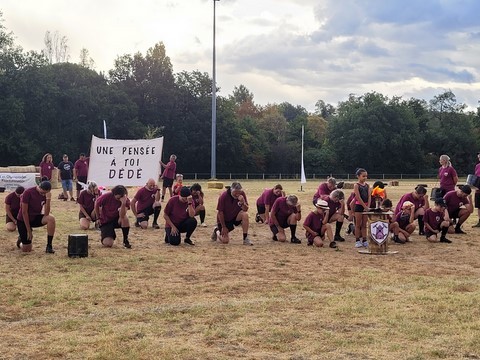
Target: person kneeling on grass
(179,215)
(30,216)
(198,202)
(316,225)
(232,210)
(12,207)
(111,209)
(286,212)
(145,203)
(336,204)
(459,206)
(437,222)
(405,219)
(86,203)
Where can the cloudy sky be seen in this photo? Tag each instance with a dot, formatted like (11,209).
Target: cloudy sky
(298,51)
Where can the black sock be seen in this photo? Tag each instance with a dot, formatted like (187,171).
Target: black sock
(338,228)
(293,229)
(202,216)
(420,223)
(245,236)
(156,213)
(125,231)
(49,240)
(444,231)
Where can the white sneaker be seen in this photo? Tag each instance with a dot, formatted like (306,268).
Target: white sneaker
(247,242)
(365,244)
(358,244)
(203,225)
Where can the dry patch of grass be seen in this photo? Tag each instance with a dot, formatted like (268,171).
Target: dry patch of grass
(211,301)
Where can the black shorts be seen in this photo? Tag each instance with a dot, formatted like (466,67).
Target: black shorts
(261,209)
(146,212)
(229,224)
(82,179)
(22,229)
(167,182)
(7,219)
(82,216)
(358,208)
(282,224)
(477,200)
(108,229)
(454,214)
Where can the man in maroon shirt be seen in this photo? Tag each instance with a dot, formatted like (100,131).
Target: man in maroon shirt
(80,172)
(459,206)
(145,203)
(12,207)
(30,216)
(179,215)
(111,209)
(437,222)
(420,202)
(265,203)
(168,175)
(286,212)
(232,210)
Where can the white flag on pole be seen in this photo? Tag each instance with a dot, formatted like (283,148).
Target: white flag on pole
(303,179)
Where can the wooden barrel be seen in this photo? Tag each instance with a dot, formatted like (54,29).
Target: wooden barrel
(378,232)
(78,245)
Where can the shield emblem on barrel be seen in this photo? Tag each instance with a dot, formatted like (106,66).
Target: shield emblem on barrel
(379,231)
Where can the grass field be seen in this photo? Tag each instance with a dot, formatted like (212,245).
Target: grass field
(213,301)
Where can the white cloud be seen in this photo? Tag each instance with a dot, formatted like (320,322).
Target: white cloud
(285,50)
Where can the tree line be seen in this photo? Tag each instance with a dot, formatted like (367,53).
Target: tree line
(57,107)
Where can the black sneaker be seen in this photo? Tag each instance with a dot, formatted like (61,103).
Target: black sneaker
(459,231)
(49,249)
(333,245)
(258,218)
(421,232)
(443,239)
(397,240)
(338,238)
(137,224)
(19,242)
(214,234)
(155,226)
(310,243)
(189,241)
(274,238)
(294,240)
(350,229)
(126,244)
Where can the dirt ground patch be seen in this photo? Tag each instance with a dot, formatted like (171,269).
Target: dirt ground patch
(213,301)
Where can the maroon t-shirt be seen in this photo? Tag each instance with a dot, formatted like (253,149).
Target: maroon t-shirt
(35,202)
(433,218)
(454,201)
(170,169)
(145,198)
(322,190)
(81,166)
(282,210)
(176,210)
(314,221)
(268,197)
(46,169)
(87,200)
(13,200)
(109,207)
(229,205)
(446,175)
(409,197)
(403,219)
(196,199)
(332,205)
(477,173)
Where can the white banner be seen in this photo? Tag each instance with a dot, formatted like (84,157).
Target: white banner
(124,162)
(10,181)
